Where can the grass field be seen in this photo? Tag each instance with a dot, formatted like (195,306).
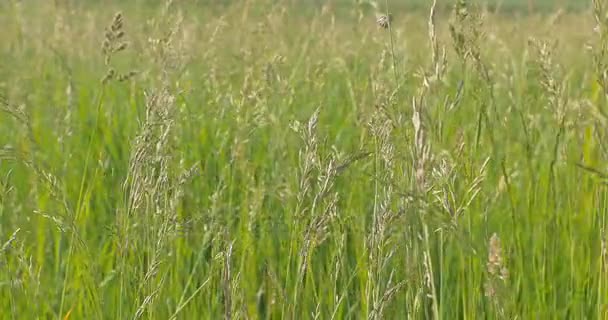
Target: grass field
(262,160)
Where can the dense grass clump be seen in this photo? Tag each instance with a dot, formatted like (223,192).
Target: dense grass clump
(254,159)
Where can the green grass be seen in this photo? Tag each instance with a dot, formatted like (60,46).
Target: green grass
(258,160)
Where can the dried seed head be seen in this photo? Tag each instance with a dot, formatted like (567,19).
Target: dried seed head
(126,76)
(496,266)
(109,35)
(494,286)
(489,289)
(105,46)
(117,22)
(112,38)
(384,21)
(109,76)
(121,47)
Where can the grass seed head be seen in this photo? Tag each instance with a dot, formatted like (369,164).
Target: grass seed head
(496,265)
(113,35)
(384,21)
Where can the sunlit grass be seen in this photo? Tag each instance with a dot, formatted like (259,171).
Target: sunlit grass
(260,160)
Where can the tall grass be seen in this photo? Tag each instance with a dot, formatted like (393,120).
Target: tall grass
(257,160)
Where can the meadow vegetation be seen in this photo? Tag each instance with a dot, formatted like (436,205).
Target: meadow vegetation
(273,160)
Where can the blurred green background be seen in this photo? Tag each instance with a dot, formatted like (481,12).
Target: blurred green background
(523,6)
